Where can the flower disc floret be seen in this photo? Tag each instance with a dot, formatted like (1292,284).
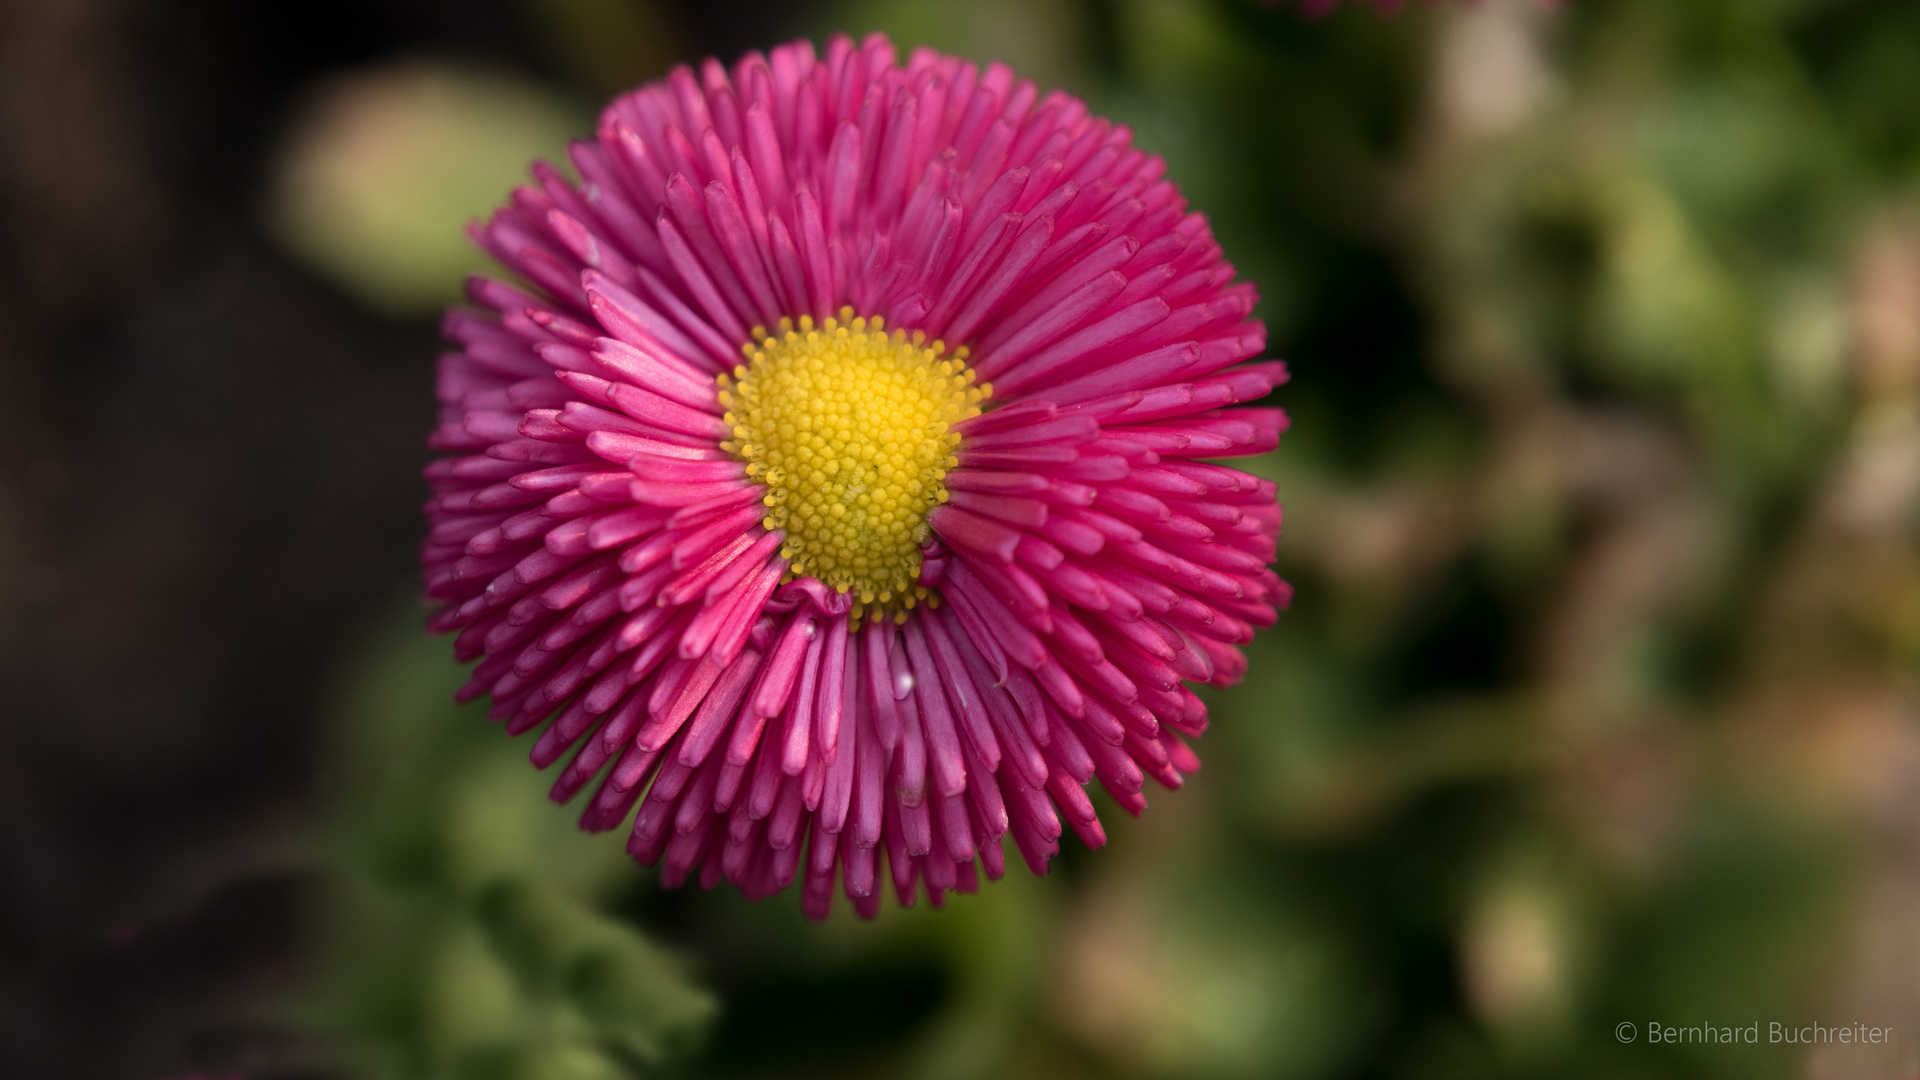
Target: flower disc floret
(851,430)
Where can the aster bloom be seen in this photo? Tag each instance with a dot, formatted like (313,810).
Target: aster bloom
(834,481)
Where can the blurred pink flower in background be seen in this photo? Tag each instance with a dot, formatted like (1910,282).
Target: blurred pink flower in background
(1315,9)
(719,493)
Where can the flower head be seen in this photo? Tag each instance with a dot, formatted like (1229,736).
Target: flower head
(835,484)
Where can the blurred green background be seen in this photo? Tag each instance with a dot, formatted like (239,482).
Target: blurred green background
(1597,704)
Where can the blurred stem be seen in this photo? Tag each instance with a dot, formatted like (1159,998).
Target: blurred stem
(1104,37)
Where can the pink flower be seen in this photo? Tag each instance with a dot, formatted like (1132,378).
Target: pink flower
(839,588)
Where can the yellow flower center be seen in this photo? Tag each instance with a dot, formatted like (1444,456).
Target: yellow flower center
(851,429)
